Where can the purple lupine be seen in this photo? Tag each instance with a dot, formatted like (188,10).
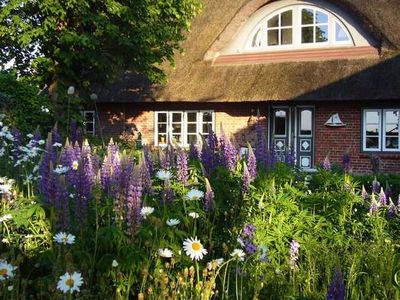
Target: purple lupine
(290,158)
(336,290)
(229,153)
(48,159)
(67,159)
(193,151)
(260,148)
(263,256)
(62,203)
(374,205)
(75,133)
(167,193)
(134,202)
(398,203)
(55,136)
(252,163)
(346,159)
(248,230)
(249,246)
(326,165)
(388,191)
(148,159)
(382,198)
(146,178)
(364,193)
(294,254)
(246,179)
(392,210)
(163,158)
(207,158)
(375,186)
(17,142)
(171,155)
(209,197)
(182,167)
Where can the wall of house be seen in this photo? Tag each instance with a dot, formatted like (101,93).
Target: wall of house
(335,141)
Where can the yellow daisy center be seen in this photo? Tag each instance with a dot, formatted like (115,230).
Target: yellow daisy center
(196,246)
(3,272)
(69,282)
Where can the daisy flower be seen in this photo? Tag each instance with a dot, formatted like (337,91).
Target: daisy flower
(194,215)
(64,238)
(165,253)
(146,211)
(6,270)
(173,222)
(70,282)
(163,175)
(215,263)
(194,195)
(238,254)
(75,165)
(114,263)
(61,170)
(57,145)
(194,248)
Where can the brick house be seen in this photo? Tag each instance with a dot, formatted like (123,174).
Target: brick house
(322,76)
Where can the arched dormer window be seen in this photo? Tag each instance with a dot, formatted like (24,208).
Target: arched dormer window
(300,27)
(288,30)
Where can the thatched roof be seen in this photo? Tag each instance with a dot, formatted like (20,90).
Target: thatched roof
(196,80)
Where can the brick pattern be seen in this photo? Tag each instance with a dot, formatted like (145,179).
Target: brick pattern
(238,120)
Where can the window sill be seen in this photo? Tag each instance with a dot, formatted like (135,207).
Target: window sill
(297,55)
(382,155)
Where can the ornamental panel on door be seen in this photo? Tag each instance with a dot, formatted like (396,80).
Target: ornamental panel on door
(305,137)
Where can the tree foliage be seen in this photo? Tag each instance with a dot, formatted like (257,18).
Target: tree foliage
(92,41)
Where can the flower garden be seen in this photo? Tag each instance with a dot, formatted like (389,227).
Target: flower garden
(81,221)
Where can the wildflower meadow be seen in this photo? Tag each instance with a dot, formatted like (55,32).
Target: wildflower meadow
(86,221)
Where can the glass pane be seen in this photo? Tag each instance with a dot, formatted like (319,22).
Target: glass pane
(392,116)
(280,122)
(162,128)
(372,142)
(372,130)
(286,18)
(162,117)
(273,37)
(321,33)
(307,35)
(341,35)
(392,129)
(176,128)
(192,117)
(273,22)
(176,138)
(89,127)
(392,143)
(162,138)
(89,116)
(372,117)
(306,122)
(192,139)
(192,128)
(321,18)
(286,36)
(176,117)
(256,39)
(206,128)
(307,16)
(207,117)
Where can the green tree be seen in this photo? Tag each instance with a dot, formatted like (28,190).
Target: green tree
(83,42)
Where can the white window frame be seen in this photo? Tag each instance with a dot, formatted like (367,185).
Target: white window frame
(93,122)
(184,122)
(382,130)
(297,30)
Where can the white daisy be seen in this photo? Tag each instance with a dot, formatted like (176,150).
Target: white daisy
(194,248)
(10,288)
(64,238)
(238,254)
(57,145)
(173,222)
(165,253)
(146,211)
(215,263)
(6,270)
(70,282)
(194,195)
(163,175)
(60,170)
(194,215)
(75,165)
(114,263)
(5,218)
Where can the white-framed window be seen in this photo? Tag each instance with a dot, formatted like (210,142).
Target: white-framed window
(89,121)
(182,127)
(299,27)
(381,130)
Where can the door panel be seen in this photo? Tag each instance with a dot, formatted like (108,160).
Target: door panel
(280,131)
(305,137)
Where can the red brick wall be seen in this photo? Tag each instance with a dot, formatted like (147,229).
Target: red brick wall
(335,141)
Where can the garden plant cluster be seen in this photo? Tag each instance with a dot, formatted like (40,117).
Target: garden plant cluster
(81,221)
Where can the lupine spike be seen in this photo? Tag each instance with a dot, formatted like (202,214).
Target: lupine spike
(209,197)
(375,186)
(252,163)
(246,179)
(392,210)
(336,290)
(364,193)
(374,205)
(193,151)
(229,153)
(182,167)
(326,165)
(382,198)
(134,202)
(346,159)
(146,177)
(167,194)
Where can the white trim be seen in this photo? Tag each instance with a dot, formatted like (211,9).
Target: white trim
(364,136)
(93,122)
(384,131)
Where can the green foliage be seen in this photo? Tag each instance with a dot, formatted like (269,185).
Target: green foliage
(86,42)
(22,106)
